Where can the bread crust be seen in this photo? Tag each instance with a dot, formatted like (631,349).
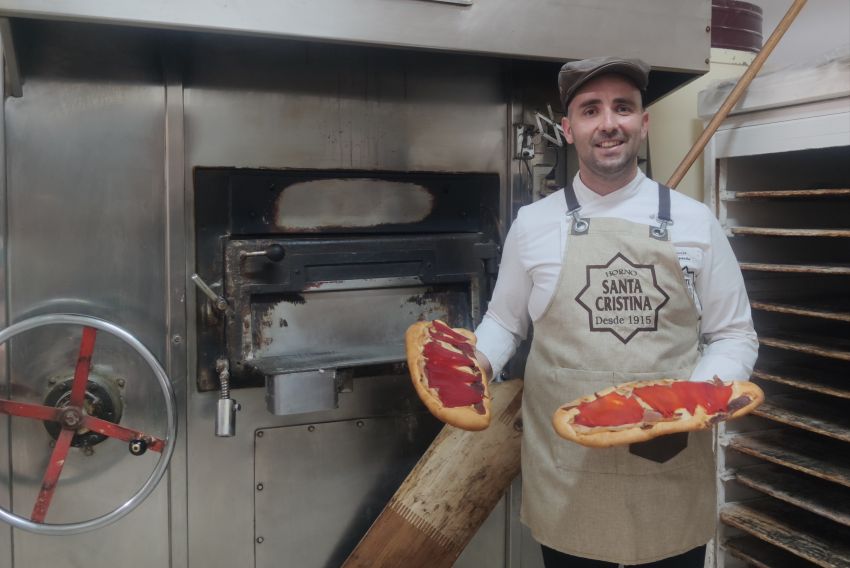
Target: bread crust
(464,417)
(605,436)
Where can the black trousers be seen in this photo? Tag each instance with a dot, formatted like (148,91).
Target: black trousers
(691,559)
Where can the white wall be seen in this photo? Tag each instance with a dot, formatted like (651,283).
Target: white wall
(821,26)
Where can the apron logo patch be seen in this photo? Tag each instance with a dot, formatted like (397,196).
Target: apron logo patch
(622,297)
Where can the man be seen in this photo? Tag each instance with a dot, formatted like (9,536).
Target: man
(623,280)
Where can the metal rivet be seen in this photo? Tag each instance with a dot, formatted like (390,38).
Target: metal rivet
(260,540)
(260,434)
(259,487)
(121,382)
(176,340)
(360,424)
(708,28)
(311,428)
(707,60)
(51,381)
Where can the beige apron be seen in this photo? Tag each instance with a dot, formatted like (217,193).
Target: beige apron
(621,312)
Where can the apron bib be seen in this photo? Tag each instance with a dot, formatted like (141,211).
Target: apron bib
(621,312)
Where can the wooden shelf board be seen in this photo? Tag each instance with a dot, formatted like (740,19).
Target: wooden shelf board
(778,232)
(823,459)
(801,310)
(760,554)
(791,194)
(795,268)
(819,497)
(788,344)
(791,529)
(807,415)
(804,380)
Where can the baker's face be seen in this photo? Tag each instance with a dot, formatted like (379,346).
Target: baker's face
(606,123)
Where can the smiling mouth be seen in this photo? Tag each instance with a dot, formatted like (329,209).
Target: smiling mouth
(609,144)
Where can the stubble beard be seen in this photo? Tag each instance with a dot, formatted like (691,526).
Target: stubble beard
(614,168)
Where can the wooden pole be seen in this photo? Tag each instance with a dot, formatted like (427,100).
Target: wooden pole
(450,492)
(734,96)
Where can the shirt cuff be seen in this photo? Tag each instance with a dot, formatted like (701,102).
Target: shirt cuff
(496,343)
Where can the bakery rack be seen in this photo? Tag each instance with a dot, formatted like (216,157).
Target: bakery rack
(778,178)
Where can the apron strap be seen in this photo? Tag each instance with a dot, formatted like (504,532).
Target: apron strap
(579,225)
(664,217)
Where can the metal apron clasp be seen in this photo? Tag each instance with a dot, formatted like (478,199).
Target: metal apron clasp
(579,225)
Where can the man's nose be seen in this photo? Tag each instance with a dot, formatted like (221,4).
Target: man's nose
(609,121)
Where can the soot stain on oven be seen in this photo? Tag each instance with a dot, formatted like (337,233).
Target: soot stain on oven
(264,318)
(435,298)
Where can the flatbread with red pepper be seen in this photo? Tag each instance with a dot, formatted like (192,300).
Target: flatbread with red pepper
(641,410)
(446,374)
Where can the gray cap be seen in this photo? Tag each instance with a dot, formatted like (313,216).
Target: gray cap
(576,73)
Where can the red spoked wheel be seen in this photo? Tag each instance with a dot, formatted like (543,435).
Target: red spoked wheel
(73,418)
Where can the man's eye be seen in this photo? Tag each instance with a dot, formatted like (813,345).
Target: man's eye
(589,111)
(624,109)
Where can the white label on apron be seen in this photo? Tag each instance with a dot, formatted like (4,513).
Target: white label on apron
(622,297)
(690,259)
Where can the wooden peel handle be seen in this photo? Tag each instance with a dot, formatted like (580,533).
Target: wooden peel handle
(450,492)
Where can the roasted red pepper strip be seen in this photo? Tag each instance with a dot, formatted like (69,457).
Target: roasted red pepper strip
(712,397)
(455,387)
(465,347)
(613,409)
(661,398)
(435,352)
(443,328)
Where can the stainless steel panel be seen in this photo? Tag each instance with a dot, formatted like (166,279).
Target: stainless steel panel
(298,393)
(5,421)
(221,516)
(274,104)
(320,486)
(176,282)
(86,234)
(668,33)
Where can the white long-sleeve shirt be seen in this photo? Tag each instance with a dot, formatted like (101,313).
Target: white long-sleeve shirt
(534,249)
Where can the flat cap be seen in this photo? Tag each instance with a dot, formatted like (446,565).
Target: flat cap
(576,73)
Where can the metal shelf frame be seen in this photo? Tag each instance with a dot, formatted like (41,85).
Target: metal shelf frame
(776,180)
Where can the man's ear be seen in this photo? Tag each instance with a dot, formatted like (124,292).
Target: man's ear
(644,126)
(568,132)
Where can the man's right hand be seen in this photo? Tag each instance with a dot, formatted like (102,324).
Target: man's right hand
(484,363)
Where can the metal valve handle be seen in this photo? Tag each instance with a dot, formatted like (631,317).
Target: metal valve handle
(73,417)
